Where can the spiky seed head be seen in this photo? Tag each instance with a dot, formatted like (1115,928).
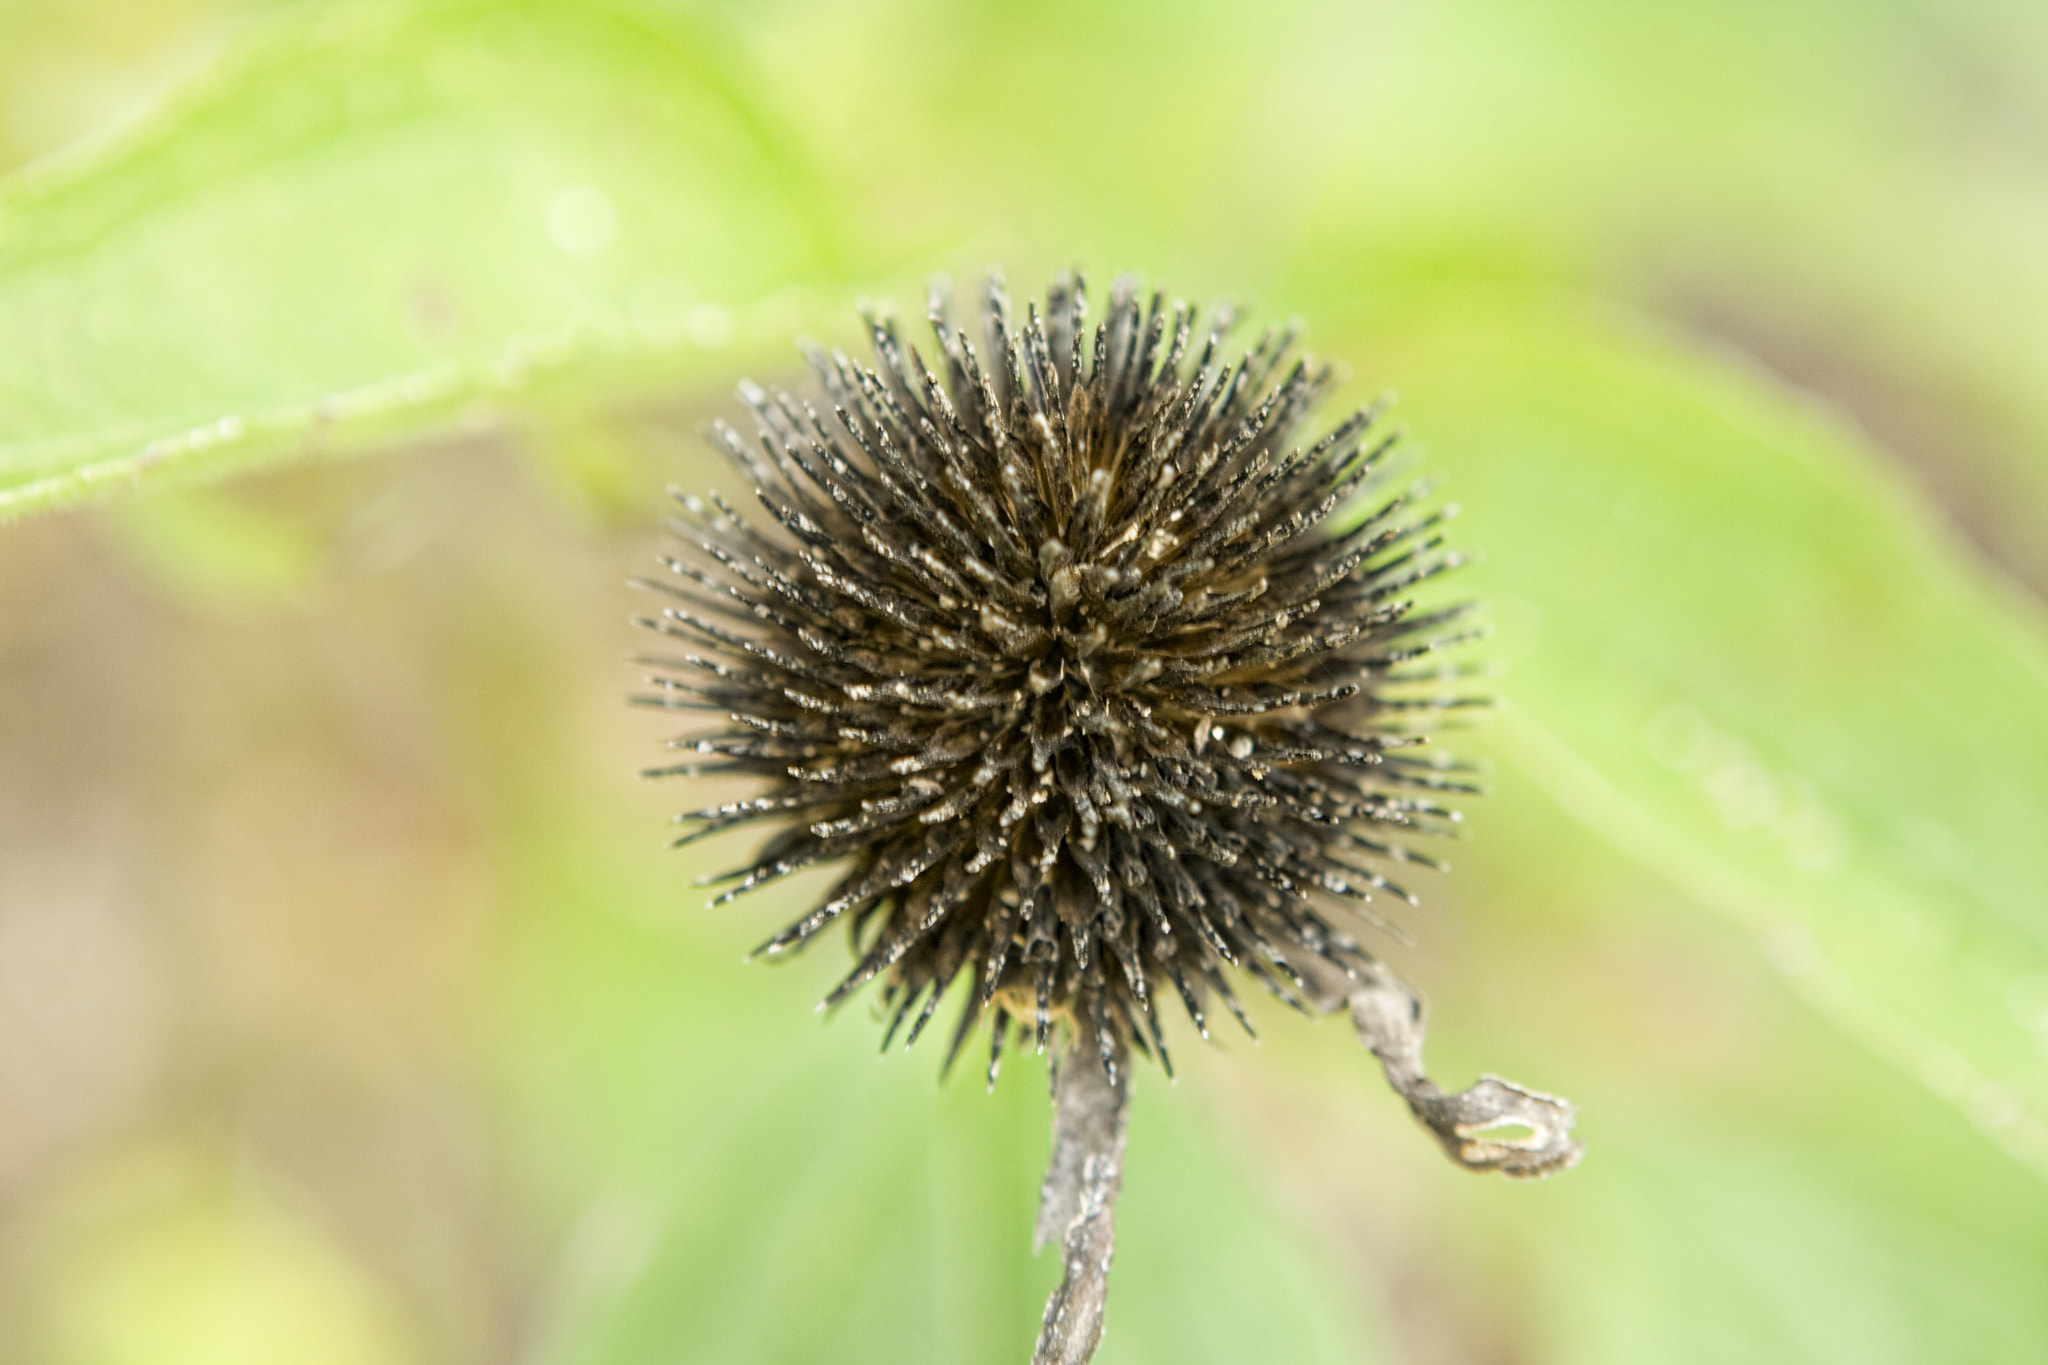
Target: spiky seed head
(1094,683)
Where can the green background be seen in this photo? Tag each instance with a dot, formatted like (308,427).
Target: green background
(351,1009)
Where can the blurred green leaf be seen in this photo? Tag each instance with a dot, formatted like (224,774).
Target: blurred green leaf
(1759,1186)
(1737,651)
(1739,1246)
(380,216)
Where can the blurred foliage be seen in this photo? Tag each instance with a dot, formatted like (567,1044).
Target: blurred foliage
(380,214)
(345,995)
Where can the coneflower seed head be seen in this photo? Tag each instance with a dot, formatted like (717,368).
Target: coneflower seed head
(1094,681)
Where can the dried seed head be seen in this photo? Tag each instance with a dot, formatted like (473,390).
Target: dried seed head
(1095,686)
(1095,682)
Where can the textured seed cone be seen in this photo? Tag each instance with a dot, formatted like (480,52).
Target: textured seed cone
(1076,656)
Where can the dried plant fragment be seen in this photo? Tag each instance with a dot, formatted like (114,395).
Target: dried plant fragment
(1388,1015)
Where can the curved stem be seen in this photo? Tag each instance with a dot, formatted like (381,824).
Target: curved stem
(1476,1126)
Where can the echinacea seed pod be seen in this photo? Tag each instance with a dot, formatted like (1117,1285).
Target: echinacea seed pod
(1099,690)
